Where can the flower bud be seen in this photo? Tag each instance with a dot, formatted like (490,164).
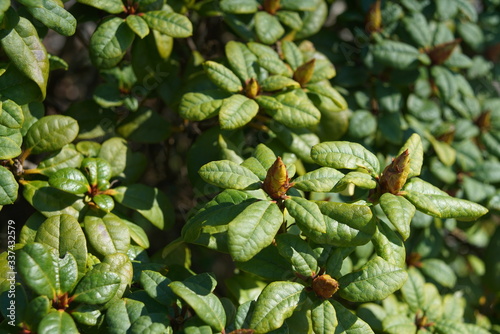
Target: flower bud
(277,183)
(252,88)
(271,6)
(325,286)
(304,72)
(394,176)
(374,18)
(441,52)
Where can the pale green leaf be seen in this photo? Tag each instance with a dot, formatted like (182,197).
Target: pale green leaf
(307,215)
(51,133)
(54,16)
(241,59)
(324,317)
(322,179)
(268,27)
(222,76)
(416,151)
(138,25)
(200,106)
(399,211)
(236,111)
(227,174)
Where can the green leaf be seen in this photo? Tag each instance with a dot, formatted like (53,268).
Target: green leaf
(96,287)
(24,48)
(66,157)
(359,179)
(399,211)
(276,303)
(342,154)
(200,106)
(107,234)
(144,126)
(122,313)
(253,229)
(51,133)
(323,70)
(398,55)
(109,42)
(307,215)
(104,202)
(298,253)
(8,148)
(416,151)
(64,234)
(120,264)
(86,314)
(206,305)
(296,110)
(267,27)
(239,6)
(413,290)
(418,28)
(54,16)
(329,92)
(467,9)
(68,272)
(156,285)
(324,317)
(227,174)
(439,271)
(150,202)
(169,23)
(138,25)
(35,311)
(445,81)
(8,187)
(236,111)
(423,203)
(278,82)
(346,224)
(322,179)
(348,322)
(11,115)
(450,326)
(70,180)
(292,54)
(241,59)
(450,207)
(397,324)
(389,246)
(222,76)
(420,186)
(38,266)
(290,19)
(110,6)
(57,321)
(97,170)
(374,281)
(298,141)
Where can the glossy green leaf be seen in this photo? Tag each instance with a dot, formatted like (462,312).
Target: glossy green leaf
(399,211)
(450,207)
(120,264)
(348,322)
(222,76)
(296,110)
(122,313)
(8,187)
(97,170)
(206,305)
(253,229)
(199,106)
(169,23)
(96,287)
(278,82)
(298,253)
(324,317)
(138,25)
(307,215)
(152,323)
(227,174)
(54,16)
(24,48)
(109,42)
(156,285)
(66,157)
(236,111)
(37,264)
(86,314)
(64,234)
(68,273)
(441,272)
(116,153)
(57,322)
(241,59)
(104,202)
(9,148)
(51,133)
(70,180)
(12,115)
(35,311)
(267,27)
(276,303)
(389,246)
(239,6)
(107,234)
(413,290)
(110,6)
(374,281)
(396,54)
(342,154)
(322,179)
(420,186)
(423,203)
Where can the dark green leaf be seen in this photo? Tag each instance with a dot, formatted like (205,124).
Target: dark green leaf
(171,24)
(110,6)
(107,234)
(96,287)
(51,133)
(57,322)
(70,180)
(8,187)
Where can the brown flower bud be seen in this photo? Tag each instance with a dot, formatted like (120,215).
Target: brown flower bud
(271,6)
(325,286)
(394,176)
(374,18)
(484,121)
(304,72)
(441,52)
(252,88)
(277,183)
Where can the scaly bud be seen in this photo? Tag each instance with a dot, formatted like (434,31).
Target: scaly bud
(374,18)
(484,121)
(252,88)
(271,6)
(325,286)
(277,182)
(394,176)
(304,72)
(441,52)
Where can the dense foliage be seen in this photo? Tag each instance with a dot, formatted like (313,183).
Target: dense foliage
(245,166)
